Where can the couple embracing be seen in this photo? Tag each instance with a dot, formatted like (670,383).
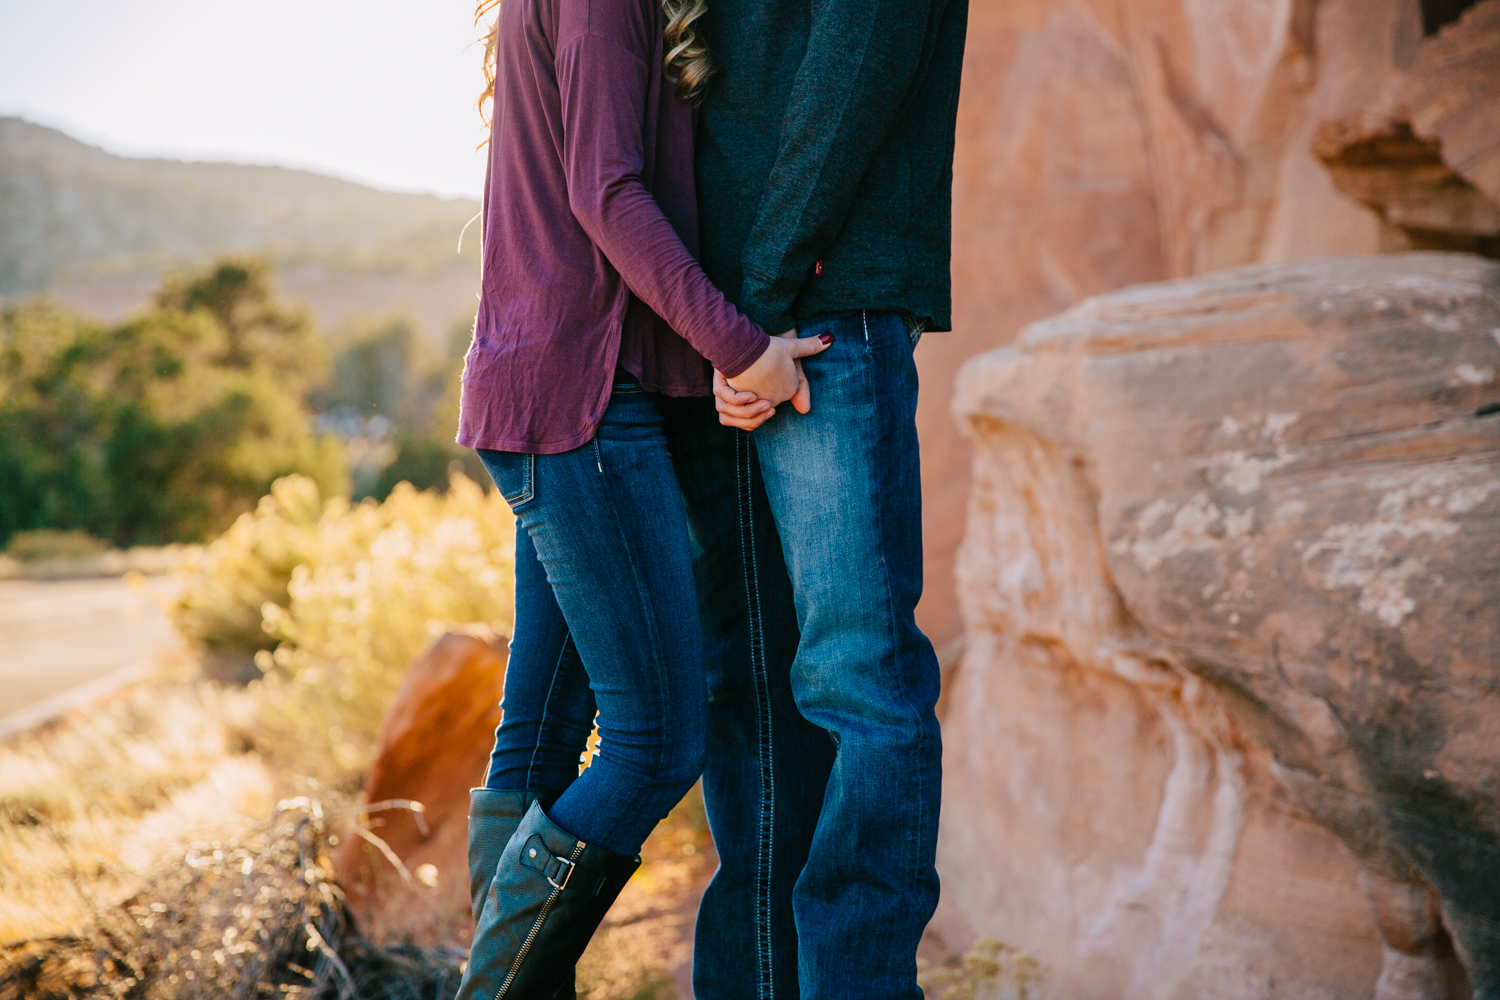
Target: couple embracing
(713,231)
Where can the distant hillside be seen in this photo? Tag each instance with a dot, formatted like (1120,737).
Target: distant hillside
(70,209)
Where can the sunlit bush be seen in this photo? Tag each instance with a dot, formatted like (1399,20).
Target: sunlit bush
(34,546)
(225,585)
(335,599)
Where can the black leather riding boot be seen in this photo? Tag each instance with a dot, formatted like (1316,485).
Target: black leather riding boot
(548,896)
(493,817)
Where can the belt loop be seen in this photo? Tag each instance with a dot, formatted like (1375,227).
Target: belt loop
(864,318)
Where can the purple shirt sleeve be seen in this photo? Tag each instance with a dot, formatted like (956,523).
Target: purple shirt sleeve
(603,90)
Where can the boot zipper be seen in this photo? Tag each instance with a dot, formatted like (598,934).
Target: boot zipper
(537,927)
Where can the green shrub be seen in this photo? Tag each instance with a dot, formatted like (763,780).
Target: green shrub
(335,599)
(379,366)
(427,463)
(34,546)
(396,399)
(163,428)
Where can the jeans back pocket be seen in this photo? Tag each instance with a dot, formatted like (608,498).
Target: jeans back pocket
(514,475)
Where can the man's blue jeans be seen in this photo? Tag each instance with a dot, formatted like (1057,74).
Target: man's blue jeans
(824,770)
(606,619)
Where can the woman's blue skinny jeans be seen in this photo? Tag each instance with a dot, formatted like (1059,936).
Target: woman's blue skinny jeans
(606,622)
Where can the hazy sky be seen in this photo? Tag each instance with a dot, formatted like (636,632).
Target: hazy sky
(378,91)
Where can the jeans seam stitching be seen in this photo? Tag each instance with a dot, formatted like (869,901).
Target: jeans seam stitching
(546,704)
(765,987)
(528,484)
(913,875)
(654,635)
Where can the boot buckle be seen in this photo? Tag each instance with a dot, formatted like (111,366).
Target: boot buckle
(565,868)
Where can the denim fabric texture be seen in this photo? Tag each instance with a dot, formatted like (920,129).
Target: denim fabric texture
(824,772)
(606,620)
(764,812)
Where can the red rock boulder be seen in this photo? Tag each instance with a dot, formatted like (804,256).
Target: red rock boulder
(433,747)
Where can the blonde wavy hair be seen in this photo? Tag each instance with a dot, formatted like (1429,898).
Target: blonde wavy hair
(687,62)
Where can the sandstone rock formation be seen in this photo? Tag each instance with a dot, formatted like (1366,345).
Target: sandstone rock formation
(1228,723)
(1425,153)
(1103,143)
(433,747)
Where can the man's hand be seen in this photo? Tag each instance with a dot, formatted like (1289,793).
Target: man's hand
(744,410)
(745,405)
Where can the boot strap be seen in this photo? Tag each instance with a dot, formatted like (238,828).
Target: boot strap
(567,873)
(562,873)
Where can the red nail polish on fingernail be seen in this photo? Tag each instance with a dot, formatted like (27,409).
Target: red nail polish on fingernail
(826,338)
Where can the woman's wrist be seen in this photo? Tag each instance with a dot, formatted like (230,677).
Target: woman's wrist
(747,359)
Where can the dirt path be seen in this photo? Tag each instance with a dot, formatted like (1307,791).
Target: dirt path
(57,635)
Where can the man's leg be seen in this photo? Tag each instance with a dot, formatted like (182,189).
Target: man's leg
(767,766)
(844,486)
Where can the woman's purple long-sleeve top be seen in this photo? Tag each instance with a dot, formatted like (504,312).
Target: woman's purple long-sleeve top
(590,232)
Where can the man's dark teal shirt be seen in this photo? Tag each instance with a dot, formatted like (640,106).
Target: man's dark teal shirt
(825,155)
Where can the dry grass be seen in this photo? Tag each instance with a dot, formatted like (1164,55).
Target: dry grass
(991,970)
(90,806)
(31,546)
(136,862)
(125,831)
(251,917)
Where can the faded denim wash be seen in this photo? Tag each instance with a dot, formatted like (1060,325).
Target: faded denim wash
(824,771)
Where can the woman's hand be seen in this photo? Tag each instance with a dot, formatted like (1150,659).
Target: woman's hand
(750,400)
(776,376)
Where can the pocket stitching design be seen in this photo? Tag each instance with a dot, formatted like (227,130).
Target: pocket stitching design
(528,490)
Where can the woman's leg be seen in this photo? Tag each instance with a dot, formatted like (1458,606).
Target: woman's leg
(608,526)
(548,712)
(548,709)
(611,531)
